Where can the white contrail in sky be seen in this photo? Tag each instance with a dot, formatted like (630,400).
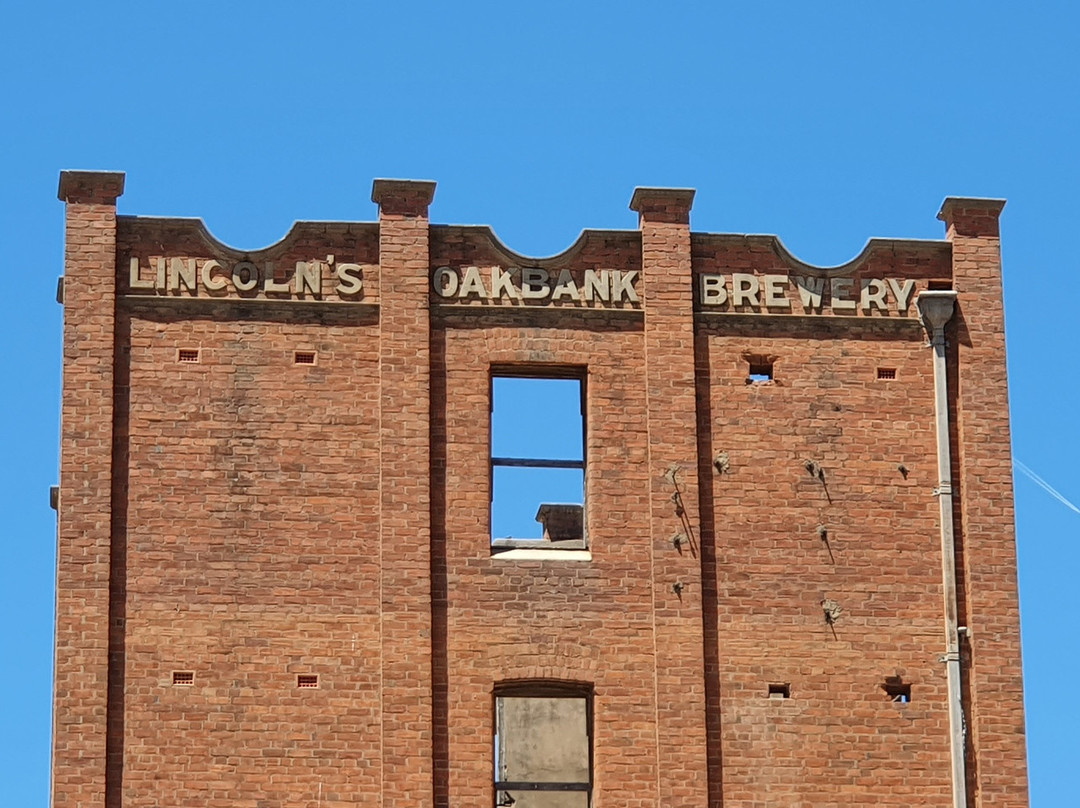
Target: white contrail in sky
(1044,485)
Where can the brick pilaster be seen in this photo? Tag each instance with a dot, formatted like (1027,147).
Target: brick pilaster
(987,530)
(84,510)
(664,216)
(405,486)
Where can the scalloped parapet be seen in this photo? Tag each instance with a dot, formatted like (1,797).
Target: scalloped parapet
(874,248)
(483,244)
(173,259)
(192,235)
(731,273)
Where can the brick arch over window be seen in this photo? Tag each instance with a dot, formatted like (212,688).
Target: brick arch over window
(544,685)
(551,668)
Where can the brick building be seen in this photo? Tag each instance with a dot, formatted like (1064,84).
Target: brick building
(789,578)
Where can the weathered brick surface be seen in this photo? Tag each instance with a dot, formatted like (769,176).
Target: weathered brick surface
(251,519)
(838,740)
(252,556)
(996,718)
(556,620)
(405,490)
(82,623)
(669,380)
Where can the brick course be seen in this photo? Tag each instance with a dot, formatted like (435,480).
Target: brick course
(251,519)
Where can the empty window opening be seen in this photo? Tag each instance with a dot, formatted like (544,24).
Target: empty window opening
(304,358)
(543,748)
(886,373)
(780,691)
(307,680)
(187,355)
(897,690)
(761,370)
(537,463)
(183,677)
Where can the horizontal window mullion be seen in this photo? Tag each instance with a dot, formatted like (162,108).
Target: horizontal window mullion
(519,786)
(536,463)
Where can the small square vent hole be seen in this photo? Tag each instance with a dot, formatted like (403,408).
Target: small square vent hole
(304,358)
(886,373)
(187,355)
(183,677)
(760,370)
(307,680)
(780,691)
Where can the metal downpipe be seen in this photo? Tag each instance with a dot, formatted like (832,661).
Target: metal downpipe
(935,310)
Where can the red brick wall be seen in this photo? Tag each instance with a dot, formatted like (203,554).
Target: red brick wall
(564,620)
(669,380)
(405,491)
(252,552)
(270,519)
(998,771)
(838,734)
(252,556)
(84,508)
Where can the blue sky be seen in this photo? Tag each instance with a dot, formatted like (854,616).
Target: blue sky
(826,123)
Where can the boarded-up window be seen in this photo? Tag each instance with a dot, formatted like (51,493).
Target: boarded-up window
(543,751)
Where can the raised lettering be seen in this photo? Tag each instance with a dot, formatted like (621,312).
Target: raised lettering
(839,289)
(245,276)
(134,281)
(623,284)
(271,285)
(308,277)
(903,293)
(445,282)
(713,291)
(810,289)
(161,274)
(502,283)
(349,278)
(744,290)
(182,273)
(775,291)
(868,299)
(209,281)
(597,284)
(534,283)
(471,284)
(565,287)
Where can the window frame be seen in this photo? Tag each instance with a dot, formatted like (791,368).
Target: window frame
(544,690)
(578,373)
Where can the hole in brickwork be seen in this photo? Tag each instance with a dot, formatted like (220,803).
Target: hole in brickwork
(187,355)
(897,690)
(760,370)
(939,286)
(780,691)
(307,680)
(886,373)
(183,677)
(304,358)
